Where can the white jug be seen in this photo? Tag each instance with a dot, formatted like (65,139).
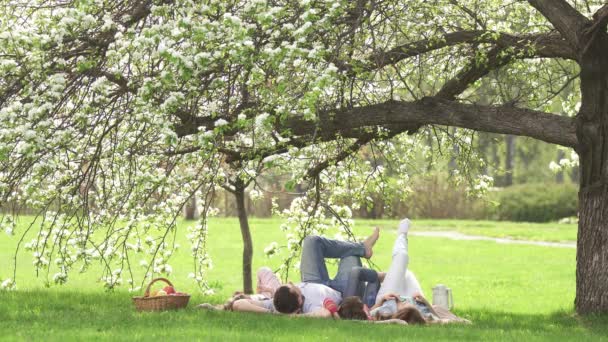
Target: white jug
(442,296)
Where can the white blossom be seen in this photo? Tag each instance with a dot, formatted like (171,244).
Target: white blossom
(7,284)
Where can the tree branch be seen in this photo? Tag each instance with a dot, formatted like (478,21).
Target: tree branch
(600,17)
(354,147)
(403,116)
(471,73)
(546,45)
(470,13)
(600,20)
(499,57)
(565,18)
(400,116)
(551,128)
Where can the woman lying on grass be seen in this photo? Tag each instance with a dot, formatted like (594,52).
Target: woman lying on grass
(401,309)
(399,297)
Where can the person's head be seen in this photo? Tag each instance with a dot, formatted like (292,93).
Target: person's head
(288,299)
(410,314)
(352,308)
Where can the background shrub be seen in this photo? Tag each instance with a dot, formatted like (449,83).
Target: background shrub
(435,197)
(540,202)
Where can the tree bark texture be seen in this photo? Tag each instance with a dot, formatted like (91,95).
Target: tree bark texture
(406,116)
(592,132)
(239,195)
(592,254)
(402,116)
(566,19)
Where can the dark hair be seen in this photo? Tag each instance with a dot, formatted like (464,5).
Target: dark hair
(410,314)
(285,301)
(352,308)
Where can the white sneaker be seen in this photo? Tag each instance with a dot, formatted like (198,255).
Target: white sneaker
(404,226)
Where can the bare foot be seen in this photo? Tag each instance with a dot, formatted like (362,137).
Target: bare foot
(370,242)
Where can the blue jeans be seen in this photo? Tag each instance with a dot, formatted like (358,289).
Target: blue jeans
(363,283)
(316,249)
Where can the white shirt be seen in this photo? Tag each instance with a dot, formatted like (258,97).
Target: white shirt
(315,294)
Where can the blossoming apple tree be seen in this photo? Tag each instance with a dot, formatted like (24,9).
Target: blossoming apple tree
(113,114)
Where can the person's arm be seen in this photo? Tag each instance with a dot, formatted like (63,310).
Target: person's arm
(249,305)
(332,307)
(319,313)
(386,297)
(418,297)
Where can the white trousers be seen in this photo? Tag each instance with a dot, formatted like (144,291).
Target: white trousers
(399,279)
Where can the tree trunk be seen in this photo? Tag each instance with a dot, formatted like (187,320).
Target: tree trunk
(559,176)
(453,165)
(430,159)
(509,160)
(592,132)
(498,179)
(226,204)
(239,194)
(574,174)
(482,142)
(191,209)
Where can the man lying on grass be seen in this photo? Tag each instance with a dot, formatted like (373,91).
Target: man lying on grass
(398,300)
(307,297)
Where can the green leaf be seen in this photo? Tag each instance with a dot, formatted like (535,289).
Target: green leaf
(290,185)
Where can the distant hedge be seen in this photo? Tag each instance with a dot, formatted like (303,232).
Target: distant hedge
(536,202)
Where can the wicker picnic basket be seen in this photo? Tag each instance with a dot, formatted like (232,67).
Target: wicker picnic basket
(159,303)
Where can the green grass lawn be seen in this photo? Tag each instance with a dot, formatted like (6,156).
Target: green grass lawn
(509,291)
(552,231)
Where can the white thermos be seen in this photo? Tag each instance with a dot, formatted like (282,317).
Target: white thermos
(442,296)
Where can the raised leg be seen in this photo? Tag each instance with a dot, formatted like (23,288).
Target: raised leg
(341,281)
(394,282)
(356,286)
(371,291)
(412,286)
(267,282)
(314,251)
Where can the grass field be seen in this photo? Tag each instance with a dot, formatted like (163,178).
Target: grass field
(510,292)
(553,232)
